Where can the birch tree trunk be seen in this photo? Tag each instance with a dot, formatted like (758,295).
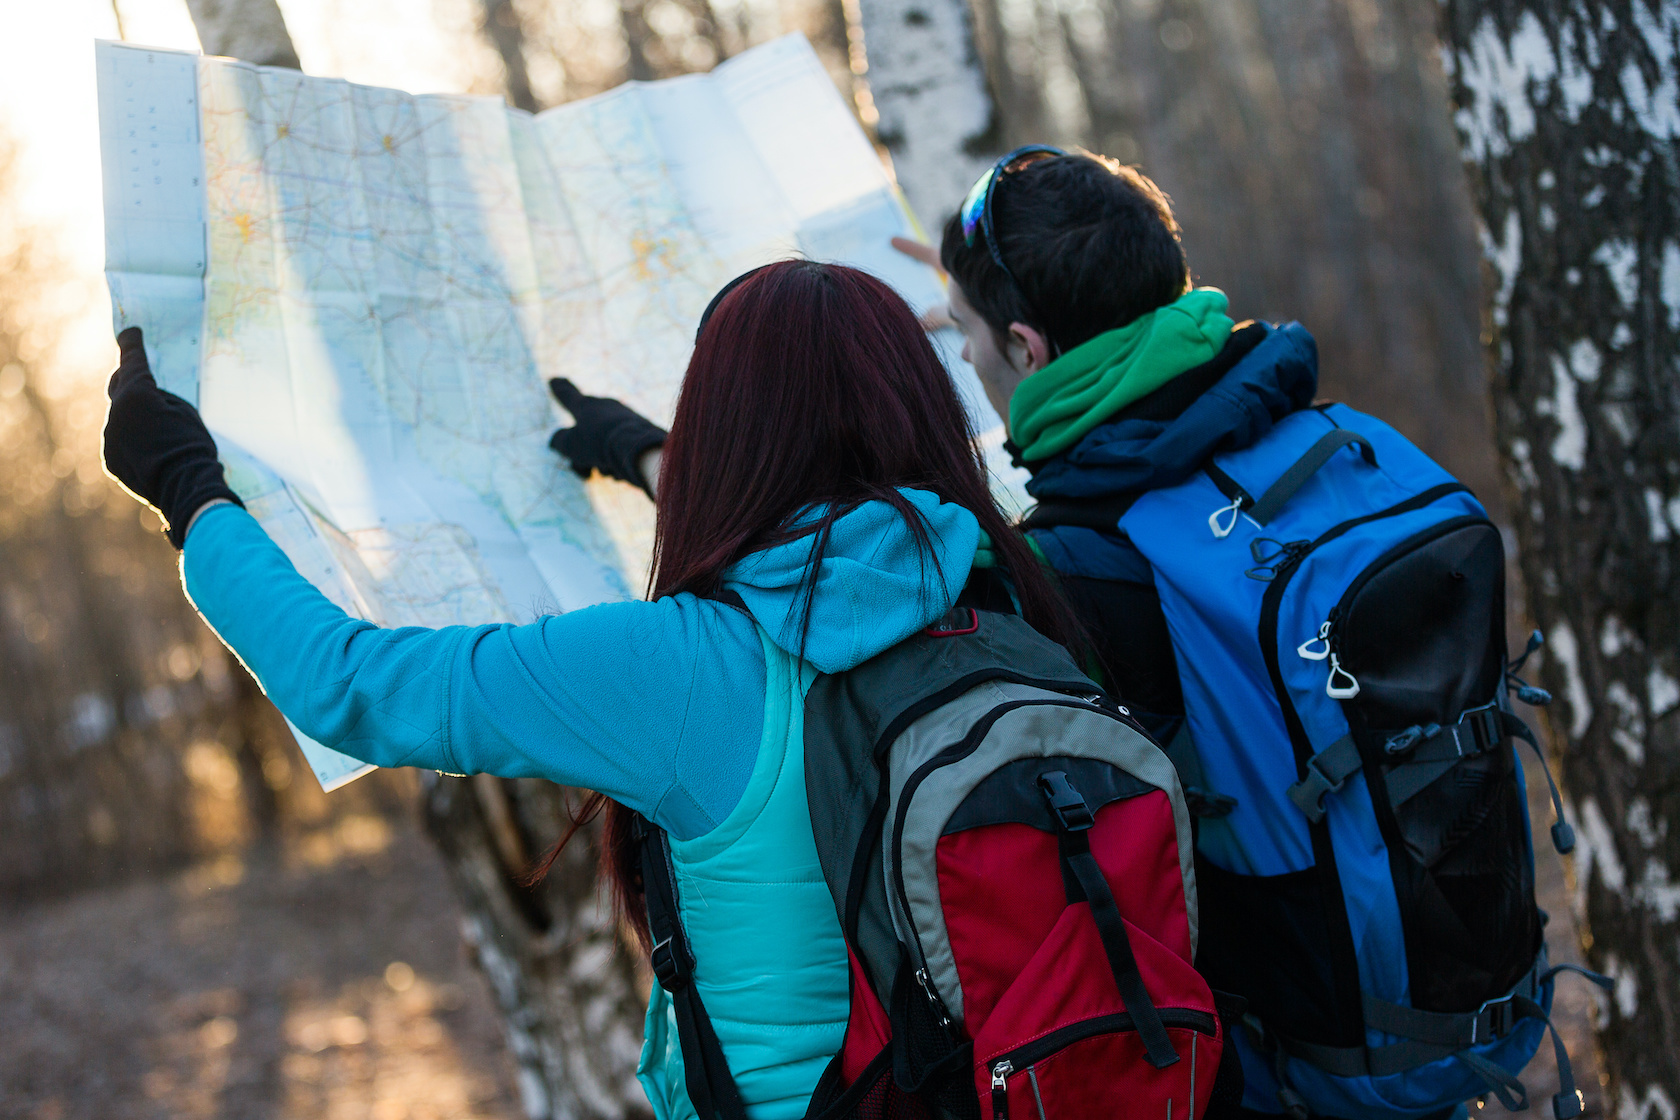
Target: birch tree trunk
(571,1001)
(937,118)
(1569,114)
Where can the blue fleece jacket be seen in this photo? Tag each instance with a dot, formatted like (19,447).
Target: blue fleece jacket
(659,704)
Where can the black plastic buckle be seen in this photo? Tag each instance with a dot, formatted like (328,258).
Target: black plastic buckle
(1070,808)
(1501,1016)
(1205,803)
(1487,730)
(1308,793)
(668,968)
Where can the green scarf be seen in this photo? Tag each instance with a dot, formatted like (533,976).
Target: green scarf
(1054,408)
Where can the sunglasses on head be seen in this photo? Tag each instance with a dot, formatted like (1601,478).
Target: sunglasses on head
(977,207)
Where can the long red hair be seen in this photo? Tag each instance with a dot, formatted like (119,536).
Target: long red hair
(811,387)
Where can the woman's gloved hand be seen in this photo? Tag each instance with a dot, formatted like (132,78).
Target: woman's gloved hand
(156,445)
(609,436)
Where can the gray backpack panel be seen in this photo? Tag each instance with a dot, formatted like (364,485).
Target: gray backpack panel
(852,718)
(1016,723)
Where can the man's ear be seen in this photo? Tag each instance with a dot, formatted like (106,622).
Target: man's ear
(1029,349)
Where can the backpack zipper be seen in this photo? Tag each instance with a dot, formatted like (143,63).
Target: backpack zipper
(1327,643)
(1028,1055)
(1344,975)
(1410,544)
(956,752)
(1273,599)
(1031,1053)
(1000,1089)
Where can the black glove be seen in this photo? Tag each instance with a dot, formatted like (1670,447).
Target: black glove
(156,445)
(609,436)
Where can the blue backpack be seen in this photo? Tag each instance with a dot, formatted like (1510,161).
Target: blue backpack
(1365,863)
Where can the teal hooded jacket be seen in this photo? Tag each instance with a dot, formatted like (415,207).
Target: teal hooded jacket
(684,709)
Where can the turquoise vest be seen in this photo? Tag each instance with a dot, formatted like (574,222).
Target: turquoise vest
(770,960)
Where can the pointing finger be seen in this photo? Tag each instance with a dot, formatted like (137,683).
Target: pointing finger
(131,366)
(915,250)
(569,395)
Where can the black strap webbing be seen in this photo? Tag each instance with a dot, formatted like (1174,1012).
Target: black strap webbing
(1102,514)
(1421,755)
(1199,795)
(1326,771)
(1074,819)
(1305,467)
(1563,836)
(1429,1036)
(711,1087)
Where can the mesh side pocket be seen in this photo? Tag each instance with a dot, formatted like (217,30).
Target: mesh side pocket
(873,1096)
(1467,886)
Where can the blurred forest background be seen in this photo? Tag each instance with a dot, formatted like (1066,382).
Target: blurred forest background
(189,927)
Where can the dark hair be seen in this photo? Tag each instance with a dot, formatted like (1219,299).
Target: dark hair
(1092,243)
(811,389)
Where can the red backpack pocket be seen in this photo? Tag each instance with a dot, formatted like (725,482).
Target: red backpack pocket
(1076,1004)
(1060,1043)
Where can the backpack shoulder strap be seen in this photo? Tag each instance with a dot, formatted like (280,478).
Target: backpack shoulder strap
(1103,513)
(711,1087)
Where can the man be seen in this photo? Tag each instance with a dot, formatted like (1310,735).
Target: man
(1072,291)
(1116,377)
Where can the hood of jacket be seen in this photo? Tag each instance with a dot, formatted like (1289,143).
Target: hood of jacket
(1278,376)
(1054,408)
(874,586)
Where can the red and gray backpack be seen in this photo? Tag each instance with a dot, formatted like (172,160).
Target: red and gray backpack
(1011,860)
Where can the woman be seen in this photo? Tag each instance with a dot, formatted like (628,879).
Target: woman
(820,499)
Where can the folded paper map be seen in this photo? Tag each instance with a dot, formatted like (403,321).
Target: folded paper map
(365,293)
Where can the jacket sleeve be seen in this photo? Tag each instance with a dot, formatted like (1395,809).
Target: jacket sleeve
(641,701)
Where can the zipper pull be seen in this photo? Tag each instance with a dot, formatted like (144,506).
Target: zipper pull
(1000,1089)
(1340,692)
(1305,648)
(926,982)
(1224,519)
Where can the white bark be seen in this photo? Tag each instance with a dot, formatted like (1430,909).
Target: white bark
(1569,114)
(252,30)
(937,116)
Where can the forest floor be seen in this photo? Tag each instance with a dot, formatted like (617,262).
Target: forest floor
(322,980)
(326,980)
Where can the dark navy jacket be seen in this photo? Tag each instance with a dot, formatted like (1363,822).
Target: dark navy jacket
(1262,374)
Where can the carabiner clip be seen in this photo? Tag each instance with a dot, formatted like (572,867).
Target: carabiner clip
(1221,531)
(1305,650)
(1340,692)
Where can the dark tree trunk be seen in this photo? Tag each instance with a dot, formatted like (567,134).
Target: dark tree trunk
(570,999)
(1303,143)
(502,26)
(1568,114)
(697,45)
(111,692)
(253,30)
